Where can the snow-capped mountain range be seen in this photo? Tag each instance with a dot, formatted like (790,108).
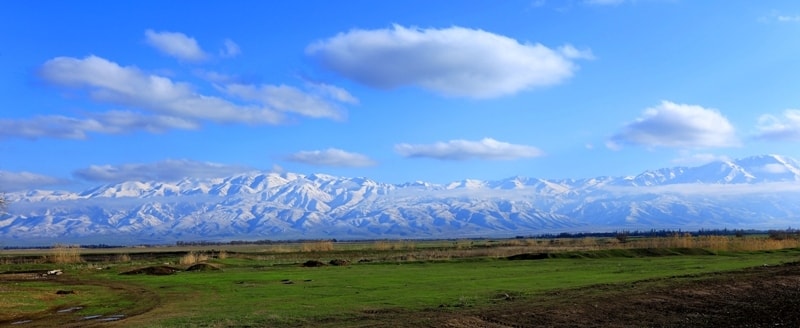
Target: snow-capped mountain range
(760,192)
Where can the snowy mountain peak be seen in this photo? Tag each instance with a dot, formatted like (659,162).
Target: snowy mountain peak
(467,184)
(735,193)
(772,167)
(766,168)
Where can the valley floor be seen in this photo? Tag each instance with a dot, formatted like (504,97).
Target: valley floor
(759,297)
(767,296)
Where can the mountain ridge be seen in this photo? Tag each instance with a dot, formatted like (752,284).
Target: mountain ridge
(752,192)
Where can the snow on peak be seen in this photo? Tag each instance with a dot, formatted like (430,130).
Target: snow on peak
(466,184)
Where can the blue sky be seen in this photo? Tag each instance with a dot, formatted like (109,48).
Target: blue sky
(96,92)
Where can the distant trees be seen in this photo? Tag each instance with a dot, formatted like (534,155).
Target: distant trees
(622,237)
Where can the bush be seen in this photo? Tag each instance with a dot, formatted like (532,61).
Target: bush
(193,257)
(64,254)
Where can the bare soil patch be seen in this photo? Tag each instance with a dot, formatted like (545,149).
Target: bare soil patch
(313,264)
(338,262)
(143,301)
(159,270)
(203,267)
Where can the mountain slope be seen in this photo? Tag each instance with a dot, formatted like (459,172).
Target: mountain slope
(754,192)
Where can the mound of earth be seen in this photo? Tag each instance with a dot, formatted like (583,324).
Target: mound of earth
(339,262)
(159,270)
(313,263)
(529,256)
(203,267)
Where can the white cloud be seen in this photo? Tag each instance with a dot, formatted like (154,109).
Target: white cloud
(331,157)
(452,61)
(777,16)
(571,52)
(15,181)
(679,126)
(290,99)
(334,92)
(214,77)
(112,122)
(218,78)
(175,105)
(175,44)
(486,148)
(787,18)
(106,81)
(169,170)
(231,49)
(785,128)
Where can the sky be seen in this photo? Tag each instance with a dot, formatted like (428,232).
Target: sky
(97,92)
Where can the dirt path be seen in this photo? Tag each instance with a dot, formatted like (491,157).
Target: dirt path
(143,299)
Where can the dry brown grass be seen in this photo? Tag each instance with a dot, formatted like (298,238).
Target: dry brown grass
(317,246)
(122,258)
(505,248)
(715,243)
(64,254)
(382,245)
(193,258)
(279,248)
(386,245)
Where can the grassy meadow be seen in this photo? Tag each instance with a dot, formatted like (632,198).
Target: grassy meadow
(268,285)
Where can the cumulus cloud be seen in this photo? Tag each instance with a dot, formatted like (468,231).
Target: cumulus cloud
(783,128)
(677,126)
(176,103)
(453,61)
(107,81)
(112,122)
(486,148)
(169,170)
(317,104)
(176,44)
(331,157)
(231,49)
(333,92)
(16,181)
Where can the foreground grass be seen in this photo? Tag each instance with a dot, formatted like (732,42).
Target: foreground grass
(289,295)
(268,288)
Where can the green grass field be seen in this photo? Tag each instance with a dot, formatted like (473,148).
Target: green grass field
(260,290)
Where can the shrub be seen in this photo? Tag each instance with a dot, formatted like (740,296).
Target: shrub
(193,257)
(122,258)
(65,254)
